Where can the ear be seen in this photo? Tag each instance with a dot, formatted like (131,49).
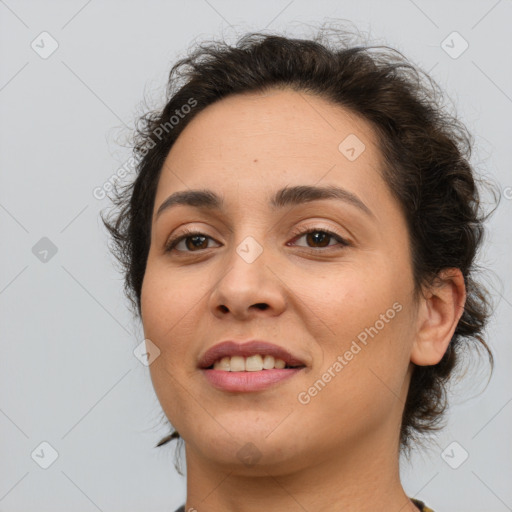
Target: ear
(439,311)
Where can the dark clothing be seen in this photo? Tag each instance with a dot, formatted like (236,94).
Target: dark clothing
(421,506)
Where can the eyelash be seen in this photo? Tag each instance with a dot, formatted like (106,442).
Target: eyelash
(171,244)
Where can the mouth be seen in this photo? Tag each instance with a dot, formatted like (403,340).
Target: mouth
(250,366)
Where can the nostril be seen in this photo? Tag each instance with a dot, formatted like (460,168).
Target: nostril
(261,306)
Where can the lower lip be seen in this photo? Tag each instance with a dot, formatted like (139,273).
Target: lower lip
(248,381)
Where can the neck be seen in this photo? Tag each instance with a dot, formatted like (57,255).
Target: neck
(361,479)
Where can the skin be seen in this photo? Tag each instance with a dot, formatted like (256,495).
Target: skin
(339,451)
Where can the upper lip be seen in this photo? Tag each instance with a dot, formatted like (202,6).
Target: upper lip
(246,349)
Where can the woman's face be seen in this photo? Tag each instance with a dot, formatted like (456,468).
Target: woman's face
(342,303)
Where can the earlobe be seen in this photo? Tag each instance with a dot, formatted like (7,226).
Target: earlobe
(439,312)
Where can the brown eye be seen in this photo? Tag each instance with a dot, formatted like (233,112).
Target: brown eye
(196,242)
(189,242)
(319,238)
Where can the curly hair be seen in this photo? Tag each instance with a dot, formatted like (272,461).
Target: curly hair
(425,152)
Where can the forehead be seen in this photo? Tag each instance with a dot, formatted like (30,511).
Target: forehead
(273,139)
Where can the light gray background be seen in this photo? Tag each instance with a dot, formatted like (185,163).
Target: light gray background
(68,375)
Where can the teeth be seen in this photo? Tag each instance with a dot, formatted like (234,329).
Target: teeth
(237,364)
(269,362)
(253,363)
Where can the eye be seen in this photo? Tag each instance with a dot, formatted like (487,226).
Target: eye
(190,241)
(320,238)
(193,241)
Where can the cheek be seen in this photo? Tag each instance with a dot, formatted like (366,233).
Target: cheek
(350,298)
(167,301)
(168,319)
(364,361)
(365,317)
(169,312)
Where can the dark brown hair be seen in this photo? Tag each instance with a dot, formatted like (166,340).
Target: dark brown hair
(425,153)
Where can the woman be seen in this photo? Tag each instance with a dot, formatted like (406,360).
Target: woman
(299,244)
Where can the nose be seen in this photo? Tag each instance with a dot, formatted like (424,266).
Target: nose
(245,290)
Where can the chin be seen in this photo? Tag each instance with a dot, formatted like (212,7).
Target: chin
(249,450)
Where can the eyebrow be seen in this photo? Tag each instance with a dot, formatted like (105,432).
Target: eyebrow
(288,196)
